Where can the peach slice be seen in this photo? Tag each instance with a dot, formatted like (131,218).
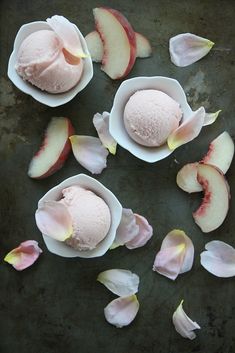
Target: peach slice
(95,46)
(187,178)
(114,28)
(220,153)
(214,208)
(54,149)
(143,46)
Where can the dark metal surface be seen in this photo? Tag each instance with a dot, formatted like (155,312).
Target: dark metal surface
(56,306)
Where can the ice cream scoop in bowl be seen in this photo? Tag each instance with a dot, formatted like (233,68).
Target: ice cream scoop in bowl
(128,115)
(97,211)
(36,64)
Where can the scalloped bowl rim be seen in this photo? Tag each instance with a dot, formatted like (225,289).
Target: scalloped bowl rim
(64,250)
(128,87)
(49,99)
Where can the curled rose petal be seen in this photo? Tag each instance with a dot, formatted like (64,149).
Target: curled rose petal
(188,130)
(122,311)
(210,118)
(101,123)
(187,178)
(54,220)
(127,229)
(67,33)
(186,48)
(121,282)
(24,255)
(89,152)
(144,234)
(183,324)
(175,256)
(219,259)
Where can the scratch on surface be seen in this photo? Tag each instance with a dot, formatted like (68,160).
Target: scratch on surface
(222,49)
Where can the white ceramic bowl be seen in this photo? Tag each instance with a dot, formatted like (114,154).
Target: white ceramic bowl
(62,249)
(126,89)
(52,100)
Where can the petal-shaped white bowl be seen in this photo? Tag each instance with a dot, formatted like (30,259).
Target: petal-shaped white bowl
(126,89)
(50,99)
(62,249)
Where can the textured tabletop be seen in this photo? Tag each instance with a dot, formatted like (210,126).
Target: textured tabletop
(56,306)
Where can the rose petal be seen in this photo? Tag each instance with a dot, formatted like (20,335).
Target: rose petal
(121,282)
(183,324)
(210,118)
(127,228)
(219,259)
(186,48)
(68,34)
(188,130)
(89,152)
(101,123)
(54,220)
(187,178)
(122,311)
(24,255)
(175,256)
(168,262)
(144,234)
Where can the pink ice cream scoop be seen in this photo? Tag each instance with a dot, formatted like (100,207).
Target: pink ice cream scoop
(150,116)
(91,217)
(42,61)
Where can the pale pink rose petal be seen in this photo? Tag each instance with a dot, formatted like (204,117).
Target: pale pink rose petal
(127,229)
(178,237)
(68,35)
(89,152)
(219,259)
(54,220)
(189,255)
(188,130)
(120,282)
(183,324)
(187,48)
(24,255)
(101,123)
(122,311)
(175,256)
(210,118)
(168,262)
(144,234)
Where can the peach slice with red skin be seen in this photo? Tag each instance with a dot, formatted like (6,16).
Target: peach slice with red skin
(220,155)
(214,207)
(95,46)
(54,149)
(113,27)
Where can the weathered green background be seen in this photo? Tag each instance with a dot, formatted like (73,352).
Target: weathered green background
(57,306)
